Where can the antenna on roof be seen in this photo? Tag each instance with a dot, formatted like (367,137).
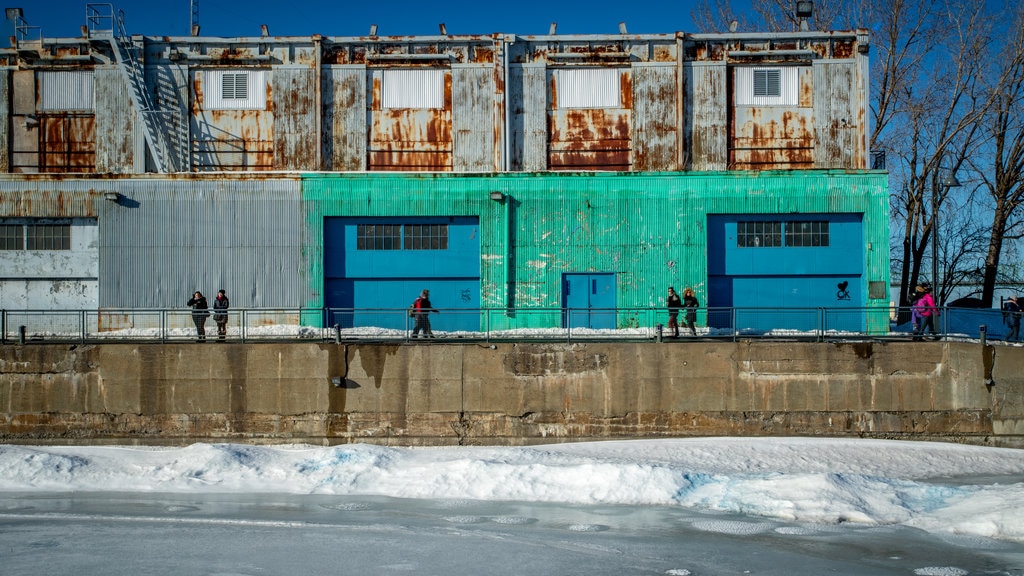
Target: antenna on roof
(193,25)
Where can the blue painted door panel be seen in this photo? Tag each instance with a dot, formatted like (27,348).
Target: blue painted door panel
(362,280)
(589,299)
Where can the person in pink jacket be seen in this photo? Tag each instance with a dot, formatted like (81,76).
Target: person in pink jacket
(926,308)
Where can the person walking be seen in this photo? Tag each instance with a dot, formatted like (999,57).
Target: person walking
(673,303)
(420,311)
(1011,315)
(928,311)
(691,304)
(915,311)
(220,314)
(200,310)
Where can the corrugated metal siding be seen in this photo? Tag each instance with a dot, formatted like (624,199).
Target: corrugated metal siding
(171,93)
(836,129)
(295,119)
(774,137)
(648,229)
(115,123)
(705,116)
(5,114)
(409,139)
(528,132)
(242,236)
(66,90)
(655,117)
(591,138)
(230,139)
(344,123)
(473,116)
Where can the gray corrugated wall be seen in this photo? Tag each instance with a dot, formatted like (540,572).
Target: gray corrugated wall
(115,122)
(473,123)
(344,122)
(172,92)
(835,127)
(5,121)
(705,112)
(295,118)
(168,238)
(654,117)
(528,97)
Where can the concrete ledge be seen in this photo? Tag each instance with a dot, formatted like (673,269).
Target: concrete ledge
(515,393)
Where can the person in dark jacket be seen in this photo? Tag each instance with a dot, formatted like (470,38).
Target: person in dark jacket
(673,303)
(691,304)
(200,310)
(220,314)
(421,309)
(1012,313)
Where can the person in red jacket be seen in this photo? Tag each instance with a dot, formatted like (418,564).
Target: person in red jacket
(421,310)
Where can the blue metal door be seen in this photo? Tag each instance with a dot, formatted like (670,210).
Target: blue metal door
(589,300)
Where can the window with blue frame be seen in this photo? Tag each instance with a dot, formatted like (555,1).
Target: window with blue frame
(399,237)
(774,234)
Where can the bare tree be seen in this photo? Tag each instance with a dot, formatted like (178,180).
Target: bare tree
(1004,126)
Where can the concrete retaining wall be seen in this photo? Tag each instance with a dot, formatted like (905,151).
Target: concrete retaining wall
(438,393)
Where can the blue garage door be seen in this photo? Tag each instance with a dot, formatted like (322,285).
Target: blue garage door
(763,264)
(375,267)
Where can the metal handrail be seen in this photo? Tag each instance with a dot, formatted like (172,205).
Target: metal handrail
(488,324)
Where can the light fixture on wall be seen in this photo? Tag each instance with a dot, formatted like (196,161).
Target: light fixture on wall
(31,121)
(804,8)
(498,196)
(114,197)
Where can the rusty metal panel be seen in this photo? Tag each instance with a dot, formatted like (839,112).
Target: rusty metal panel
(473,118)
(5,120)
(837,128)
(409,139)
(230,140)
(67,142)
(591,138)
(115,123)
(528,102)
(655,122)
(295,119)
(704,115)
(775,137)
(344,123)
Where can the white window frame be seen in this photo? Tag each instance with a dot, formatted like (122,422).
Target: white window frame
(420,88)
(789,86)
(66,90)
(215,97)
(588,88)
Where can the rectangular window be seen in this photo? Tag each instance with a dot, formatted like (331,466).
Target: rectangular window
(48,237)
(35,236)
(12,237)
(379,237)
(813,233)
(778,86)
(234,89)
(422,88)
(426,236)
(758,234)
(588,88)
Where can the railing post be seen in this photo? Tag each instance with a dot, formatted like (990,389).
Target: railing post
(21,334)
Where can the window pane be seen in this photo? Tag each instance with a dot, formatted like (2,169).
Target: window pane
(807,233)
(426,236)
(48,237)
(12,237)
(378,237)
(758,234)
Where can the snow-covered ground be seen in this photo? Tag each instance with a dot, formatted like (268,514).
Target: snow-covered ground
(668,506)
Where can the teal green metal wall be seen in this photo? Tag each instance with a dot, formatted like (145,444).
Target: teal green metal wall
(648,228)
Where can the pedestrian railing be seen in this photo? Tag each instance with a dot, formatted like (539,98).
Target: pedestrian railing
(481,324)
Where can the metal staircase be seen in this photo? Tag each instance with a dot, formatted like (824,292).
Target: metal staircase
(164,130)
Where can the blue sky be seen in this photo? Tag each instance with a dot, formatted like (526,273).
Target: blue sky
(63,18)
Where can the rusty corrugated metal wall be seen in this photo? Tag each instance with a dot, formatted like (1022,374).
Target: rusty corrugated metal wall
(115,148)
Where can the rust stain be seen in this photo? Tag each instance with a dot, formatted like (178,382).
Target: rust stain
(843,49)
